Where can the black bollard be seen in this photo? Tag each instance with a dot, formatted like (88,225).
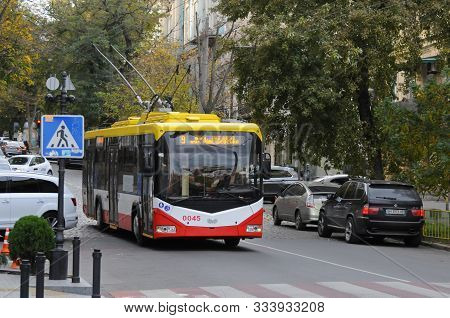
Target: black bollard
(76,260)
(40,267)
(25,268)
(97,257)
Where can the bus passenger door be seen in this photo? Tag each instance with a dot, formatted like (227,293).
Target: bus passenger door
(88,182)
(147,204)
(113,154)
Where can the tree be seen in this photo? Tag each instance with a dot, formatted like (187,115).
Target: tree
(416,142)
(72,28)
(328,64)
(18,56)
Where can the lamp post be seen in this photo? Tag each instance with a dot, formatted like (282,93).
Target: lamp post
(59,256)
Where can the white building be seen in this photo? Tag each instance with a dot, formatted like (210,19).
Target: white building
(187,18)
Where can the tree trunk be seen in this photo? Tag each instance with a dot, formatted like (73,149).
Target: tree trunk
(366,117)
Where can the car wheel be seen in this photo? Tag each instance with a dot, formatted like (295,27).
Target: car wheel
(276,219)
(413,241)
(232,242)
(350,236)
(50,173)
(137,228)
(99,215)
(52,219)
(299,225)
(322,228)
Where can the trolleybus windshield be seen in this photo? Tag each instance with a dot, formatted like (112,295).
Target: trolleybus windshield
(221,165)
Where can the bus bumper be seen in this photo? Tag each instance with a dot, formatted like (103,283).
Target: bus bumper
(246,229)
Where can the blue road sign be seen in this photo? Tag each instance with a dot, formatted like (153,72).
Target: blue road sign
(62,136)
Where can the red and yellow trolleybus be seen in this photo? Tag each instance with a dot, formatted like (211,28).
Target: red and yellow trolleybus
(176,175)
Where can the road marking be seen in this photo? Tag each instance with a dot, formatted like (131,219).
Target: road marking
(356,290)
(226,292)
(161,293)
(327,262)
(415,289)
(291,291)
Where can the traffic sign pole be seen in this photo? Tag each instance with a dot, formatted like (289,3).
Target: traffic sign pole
(62,136)
(59,256)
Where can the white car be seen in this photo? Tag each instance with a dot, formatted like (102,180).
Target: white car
(337,178)
(24,194)
(4,164)
(31,163)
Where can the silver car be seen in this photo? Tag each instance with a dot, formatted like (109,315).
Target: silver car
(301,203)
(12,148)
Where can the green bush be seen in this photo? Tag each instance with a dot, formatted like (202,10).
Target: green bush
(31,234)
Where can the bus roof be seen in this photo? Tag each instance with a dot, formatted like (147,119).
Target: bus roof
(158,123)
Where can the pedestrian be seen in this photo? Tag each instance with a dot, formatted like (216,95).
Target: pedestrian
(27,146)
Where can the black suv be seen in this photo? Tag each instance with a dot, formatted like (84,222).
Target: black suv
(378,209)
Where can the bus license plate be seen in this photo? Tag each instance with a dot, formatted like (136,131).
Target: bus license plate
(395,212)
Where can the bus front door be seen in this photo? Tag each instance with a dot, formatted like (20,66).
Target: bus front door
(112,184)
(147,204)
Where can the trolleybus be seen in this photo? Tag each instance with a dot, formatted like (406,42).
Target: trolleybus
(176,175)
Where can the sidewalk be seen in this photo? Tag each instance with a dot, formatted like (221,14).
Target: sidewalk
(10,287)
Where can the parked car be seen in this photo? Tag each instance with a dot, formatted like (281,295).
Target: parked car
(4,164)
(339,179)
(280,179)
(24,194)
(377,209)
(12,148)
(31,163)
(301,203)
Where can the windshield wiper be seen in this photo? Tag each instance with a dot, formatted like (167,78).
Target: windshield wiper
(233,196)
(386,198)
(187,198)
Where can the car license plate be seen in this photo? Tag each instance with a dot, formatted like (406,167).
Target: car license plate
(395,212)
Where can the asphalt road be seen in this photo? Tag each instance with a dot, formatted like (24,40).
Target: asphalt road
(285,262)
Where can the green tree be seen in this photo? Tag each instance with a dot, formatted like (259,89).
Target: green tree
(72,28)
(19,55)
(417,142)
(328,64)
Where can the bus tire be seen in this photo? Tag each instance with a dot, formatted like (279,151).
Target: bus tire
(136,227)
(232,242)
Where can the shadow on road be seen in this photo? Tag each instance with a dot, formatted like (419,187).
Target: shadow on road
(187,244)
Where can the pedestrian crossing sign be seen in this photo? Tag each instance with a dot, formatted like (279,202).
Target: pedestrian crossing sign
(62,136)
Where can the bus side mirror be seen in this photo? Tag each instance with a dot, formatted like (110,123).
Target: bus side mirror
(266,165)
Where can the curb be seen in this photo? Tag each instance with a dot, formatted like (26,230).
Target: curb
(438,246)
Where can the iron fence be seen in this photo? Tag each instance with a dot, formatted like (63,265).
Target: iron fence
(437,224)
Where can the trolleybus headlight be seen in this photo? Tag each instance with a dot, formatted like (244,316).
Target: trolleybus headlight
(166,229)
(254,228)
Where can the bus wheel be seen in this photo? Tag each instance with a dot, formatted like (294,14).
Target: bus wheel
(137,228)
(232,242)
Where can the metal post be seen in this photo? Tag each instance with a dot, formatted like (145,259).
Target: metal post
(59,257)
(97,256)
(40,267)
(76,260)
(25,268)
